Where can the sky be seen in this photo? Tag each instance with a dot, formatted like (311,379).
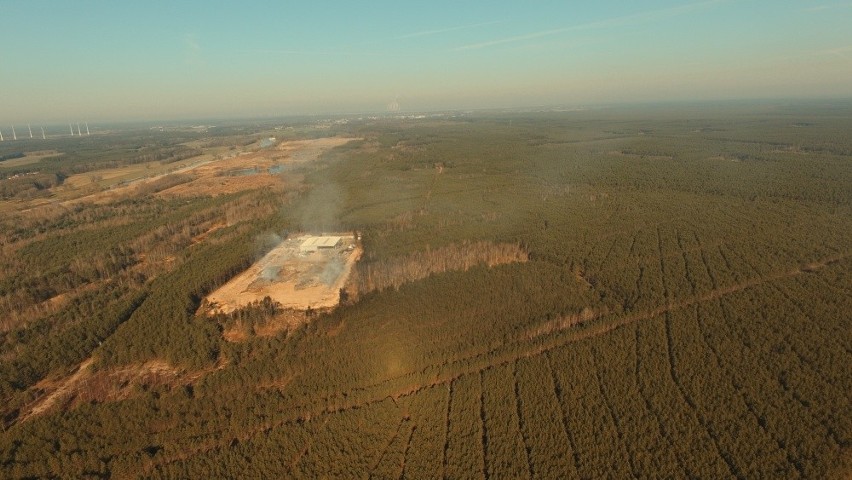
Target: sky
(155,60)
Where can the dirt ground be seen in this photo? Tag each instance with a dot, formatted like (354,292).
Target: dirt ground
(286,320)
(86,385)
(301,151)
(58,391)
(216,172)
(293,279)
(239,171)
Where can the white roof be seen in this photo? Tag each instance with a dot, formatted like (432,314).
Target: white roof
(320,242)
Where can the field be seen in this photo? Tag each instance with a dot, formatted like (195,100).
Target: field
(212,171)
(612,293)
(253,169)
(31,157)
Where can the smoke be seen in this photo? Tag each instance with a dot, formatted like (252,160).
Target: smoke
(270,273)
(320,210)
(266,242)
(393,106)
(332,271)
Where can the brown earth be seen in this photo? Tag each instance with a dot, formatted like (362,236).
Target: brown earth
(86,385)
(296,281)
(215,174)
(241,331)
(230,174)
(59,390)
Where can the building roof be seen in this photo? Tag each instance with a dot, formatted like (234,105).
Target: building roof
(320,242)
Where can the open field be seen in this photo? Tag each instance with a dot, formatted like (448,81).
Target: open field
(217,171)
(615,293)
(261,168)
(122,176)
(293,279)
(30,158)
(302,151)
(213,174)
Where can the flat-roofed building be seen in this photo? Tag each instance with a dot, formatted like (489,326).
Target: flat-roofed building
(312,244)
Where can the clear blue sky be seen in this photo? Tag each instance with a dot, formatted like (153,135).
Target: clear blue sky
(108,60)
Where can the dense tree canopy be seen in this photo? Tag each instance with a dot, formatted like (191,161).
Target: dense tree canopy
(673,302)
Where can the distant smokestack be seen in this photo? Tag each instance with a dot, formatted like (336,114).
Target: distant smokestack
(78,131)
(87,129)
(43,136)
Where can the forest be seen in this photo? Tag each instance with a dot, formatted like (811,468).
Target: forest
(612,293)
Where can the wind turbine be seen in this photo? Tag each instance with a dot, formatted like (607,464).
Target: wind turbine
(43,136)
(87,129)
(30,129)
(72,129)
(14,136)
(78,131)
(1,135)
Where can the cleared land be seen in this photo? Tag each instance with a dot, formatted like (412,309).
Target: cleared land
(239,171)
(30,158)
(293,279)
(216,172)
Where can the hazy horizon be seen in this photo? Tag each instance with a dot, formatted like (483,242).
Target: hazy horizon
(99,61)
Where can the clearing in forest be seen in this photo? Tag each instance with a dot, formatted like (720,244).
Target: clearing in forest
(242,170)
(297,273)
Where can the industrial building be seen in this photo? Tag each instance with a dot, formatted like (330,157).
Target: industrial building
(312,244)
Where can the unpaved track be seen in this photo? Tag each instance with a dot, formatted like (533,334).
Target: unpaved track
(65,387)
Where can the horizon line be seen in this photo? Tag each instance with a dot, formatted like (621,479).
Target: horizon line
(519,108)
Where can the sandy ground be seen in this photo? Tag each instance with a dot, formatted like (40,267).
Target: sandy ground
(301,151)
(286,320)
(62,389)
(86,385)
(228,175)
(119,177)
(295,280)
(216,172)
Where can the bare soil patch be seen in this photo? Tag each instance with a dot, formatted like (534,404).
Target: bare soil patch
(301,151)
(246,170)
(59,391)
(288,320)
(123,383)
(131,174)
(292,278)
(237,334)
(86,385)
(201,236)
(217,172)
